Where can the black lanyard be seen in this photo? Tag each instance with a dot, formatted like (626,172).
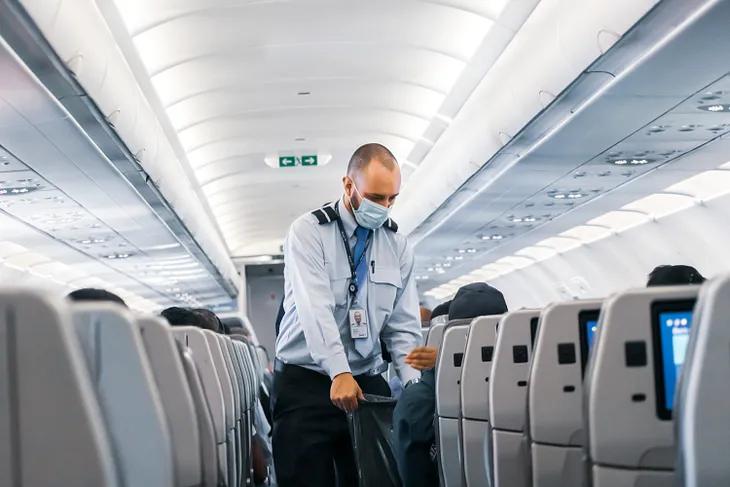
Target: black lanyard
(350,259)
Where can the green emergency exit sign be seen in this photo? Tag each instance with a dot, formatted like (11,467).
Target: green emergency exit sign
(291,161)
(287,161)
(309,161)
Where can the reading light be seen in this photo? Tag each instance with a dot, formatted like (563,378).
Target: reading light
(459,257)
(462,251)
(447,265)
(450,257)
(472,251)
(715,108)
(117,256)
(18,190)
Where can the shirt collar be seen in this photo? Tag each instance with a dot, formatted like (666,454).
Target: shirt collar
(348,221)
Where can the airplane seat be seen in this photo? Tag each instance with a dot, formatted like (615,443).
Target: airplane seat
(127,393)
(629,386)
(554,426)
(240,403)
(237,393)
(448,384)
(508,398)
(436,331)
(194,339)
(241,344)
(228,402)
(424,334)
(206,426)
(475,374)
(703,399)
(177,400)
(52,431)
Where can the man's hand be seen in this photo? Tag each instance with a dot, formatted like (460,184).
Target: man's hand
(345,392)
(422,358)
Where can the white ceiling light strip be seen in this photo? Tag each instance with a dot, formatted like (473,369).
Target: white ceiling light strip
(697,189)
(21,259)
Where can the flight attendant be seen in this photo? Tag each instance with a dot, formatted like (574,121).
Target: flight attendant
(348,285)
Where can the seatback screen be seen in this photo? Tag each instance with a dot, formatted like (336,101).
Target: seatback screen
(671,329)
(591,327)
(533,330)
(587,327)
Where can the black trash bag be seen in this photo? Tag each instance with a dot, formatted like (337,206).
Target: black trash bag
(371,429)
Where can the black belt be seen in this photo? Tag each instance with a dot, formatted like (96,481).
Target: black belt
(280,367)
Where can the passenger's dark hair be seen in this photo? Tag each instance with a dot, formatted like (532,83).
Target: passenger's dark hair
(89,294)
(183,317)
(212,322)
(368,153)
(441,310)
(674,275)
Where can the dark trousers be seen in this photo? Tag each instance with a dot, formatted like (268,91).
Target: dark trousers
(311,436)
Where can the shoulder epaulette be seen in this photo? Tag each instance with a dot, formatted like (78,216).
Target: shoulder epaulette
(326,214)
(391,225)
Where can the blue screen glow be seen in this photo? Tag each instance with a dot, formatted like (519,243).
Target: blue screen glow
(674,335)
(591,327)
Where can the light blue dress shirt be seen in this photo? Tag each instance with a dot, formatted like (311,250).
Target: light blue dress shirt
(315,330)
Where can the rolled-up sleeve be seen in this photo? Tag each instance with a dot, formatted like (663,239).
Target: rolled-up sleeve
(402,332)
(315,303)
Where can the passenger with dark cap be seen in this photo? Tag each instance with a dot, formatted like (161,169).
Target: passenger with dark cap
(414,437)
(674,275)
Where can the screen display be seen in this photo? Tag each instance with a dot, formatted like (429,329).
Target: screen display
(591,327)
(533,330)
(674,336)
(587,327)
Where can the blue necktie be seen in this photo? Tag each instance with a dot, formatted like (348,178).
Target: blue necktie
(361,271)
(364,346)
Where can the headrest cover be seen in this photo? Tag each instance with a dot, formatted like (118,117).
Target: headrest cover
(477,299)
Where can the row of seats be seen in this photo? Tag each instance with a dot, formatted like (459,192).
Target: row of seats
(92,395)
(583,392)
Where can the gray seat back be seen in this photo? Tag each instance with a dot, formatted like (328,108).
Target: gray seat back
(127,392)
(629,429)
(508,398)
(555,393)
(235,460)
(177,400)
(51,427)
(448,379)
(703,398)
(436,333)
(206,426)
(194,339)
(475,373)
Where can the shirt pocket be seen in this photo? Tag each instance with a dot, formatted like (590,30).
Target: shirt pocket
(339,283)
(385,283)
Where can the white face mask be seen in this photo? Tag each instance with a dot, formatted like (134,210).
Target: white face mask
(370,215)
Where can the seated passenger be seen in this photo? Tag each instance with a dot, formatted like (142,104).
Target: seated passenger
(89,294)
(674,275)
(184,317)
(213,323)
(414,437)
(425,317)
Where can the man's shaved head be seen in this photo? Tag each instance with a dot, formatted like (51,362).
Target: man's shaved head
(370,153)
(378,182)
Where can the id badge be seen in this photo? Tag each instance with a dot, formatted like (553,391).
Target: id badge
(358,323)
